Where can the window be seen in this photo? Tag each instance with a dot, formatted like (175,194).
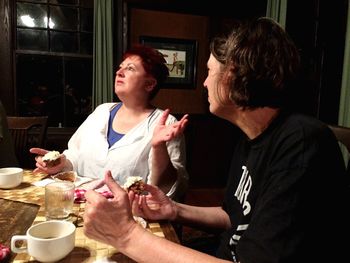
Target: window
(54,40)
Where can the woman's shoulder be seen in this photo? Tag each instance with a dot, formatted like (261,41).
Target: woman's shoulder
(305,123)
(302,127)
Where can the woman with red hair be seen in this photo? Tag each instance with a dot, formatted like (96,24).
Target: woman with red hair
(131,137)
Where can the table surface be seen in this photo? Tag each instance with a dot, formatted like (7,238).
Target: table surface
(26,207)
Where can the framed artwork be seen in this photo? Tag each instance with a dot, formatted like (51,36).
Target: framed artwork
(180,55)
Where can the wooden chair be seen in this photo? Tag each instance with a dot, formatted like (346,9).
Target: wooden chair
(27,132)
(343,136)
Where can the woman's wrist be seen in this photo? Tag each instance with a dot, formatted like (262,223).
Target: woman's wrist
(175,209)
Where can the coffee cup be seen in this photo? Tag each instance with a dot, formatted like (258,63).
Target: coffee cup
(10,177)
(48,241)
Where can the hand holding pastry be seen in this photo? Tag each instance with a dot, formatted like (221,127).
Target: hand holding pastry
(49,162)
(135,184)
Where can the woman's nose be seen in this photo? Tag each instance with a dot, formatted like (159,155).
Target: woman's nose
(120,72)
(205,84)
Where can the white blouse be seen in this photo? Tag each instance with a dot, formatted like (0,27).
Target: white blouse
(91,156)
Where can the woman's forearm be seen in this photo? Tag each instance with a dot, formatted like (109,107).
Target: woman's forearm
(164,175)
(146,247)
(202,217)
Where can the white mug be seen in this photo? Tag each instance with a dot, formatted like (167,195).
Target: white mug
(47,241)
(10,177)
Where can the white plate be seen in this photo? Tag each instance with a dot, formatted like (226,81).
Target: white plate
(79,180)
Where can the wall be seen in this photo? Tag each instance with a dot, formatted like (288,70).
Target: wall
(182,26)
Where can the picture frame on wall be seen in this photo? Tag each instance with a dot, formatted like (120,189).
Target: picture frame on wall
(180,55)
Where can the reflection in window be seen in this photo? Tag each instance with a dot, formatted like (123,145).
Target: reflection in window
(54,40)
(65,18)
(31,15)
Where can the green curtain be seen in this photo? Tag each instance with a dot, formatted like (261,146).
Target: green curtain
(344,106)
(102,87)
(277,10)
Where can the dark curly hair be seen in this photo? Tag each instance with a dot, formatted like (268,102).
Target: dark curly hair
(259,60)
(153,62)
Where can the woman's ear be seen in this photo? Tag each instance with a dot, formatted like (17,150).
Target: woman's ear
(150,84)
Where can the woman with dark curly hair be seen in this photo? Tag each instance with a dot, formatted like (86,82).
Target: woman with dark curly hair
(286,196)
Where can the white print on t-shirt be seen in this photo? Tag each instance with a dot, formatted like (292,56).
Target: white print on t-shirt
(243,190)
(235,238)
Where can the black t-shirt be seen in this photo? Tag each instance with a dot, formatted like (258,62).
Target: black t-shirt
(286,195)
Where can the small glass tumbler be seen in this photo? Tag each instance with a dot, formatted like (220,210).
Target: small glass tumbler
(59,199)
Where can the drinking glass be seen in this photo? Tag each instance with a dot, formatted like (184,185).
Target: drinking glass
(59,199)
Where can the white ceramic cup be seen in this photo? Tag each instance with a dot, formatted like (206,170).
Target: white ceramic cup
(48,241)
(10,177)
(59,199)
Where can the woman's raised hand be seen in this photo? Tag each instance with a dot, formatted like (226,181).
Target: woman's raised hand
(164,133)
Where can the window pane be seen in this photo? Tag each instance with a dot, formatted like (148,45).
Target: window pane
(30,39)
(64,42)
(86,20)
(86,42)
(39,1)
(39,86)
(78,90)
(87,3)
(31,15)
(64,18)
(65,2)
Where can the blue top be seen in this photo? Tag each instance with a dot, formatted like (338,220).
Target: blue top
(112,135)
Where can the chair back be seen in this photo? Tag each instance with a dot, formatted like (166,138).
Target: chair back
(342,134)
(27,132)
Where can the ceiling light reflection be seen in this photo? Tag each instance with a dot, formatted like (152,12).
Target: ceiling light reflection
(51,23)
(28,21)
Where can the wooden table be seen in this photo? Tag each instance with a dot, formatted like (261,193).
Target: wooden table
(24,205)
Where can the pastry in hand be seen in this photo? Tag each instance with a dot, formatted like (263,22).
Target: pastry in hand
(51,158)
(135,184)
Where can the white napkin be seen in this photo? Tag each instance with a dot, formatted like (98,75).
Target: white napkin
(79,180)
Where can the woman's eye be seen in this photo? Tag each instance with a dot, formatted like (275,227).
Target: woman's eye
(130,68)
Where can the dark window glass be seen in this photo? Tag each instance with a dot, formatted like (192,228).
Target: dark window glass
(64,18)
(39,1)
(39,86)
(64,42)
(78,90)
(87,3)
(31,15)
(29,39)
(86,43)
(86,20)
(65,2)
(55,86)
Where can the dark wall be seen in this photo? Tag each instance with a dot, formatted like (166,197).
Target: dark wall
(318,28)
(210,142)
